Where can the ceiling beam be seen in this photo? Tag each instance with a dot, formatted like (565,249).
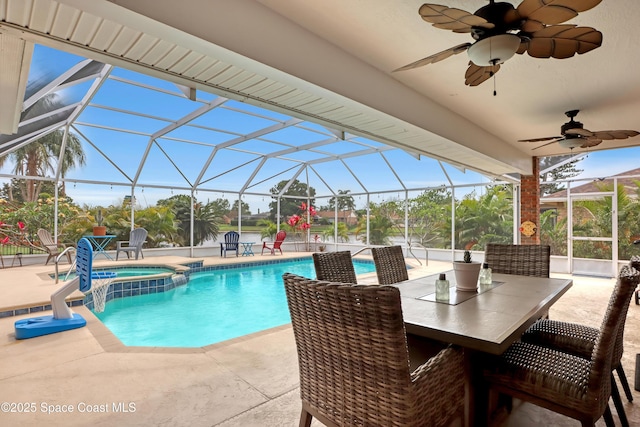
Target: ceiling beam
(14,71)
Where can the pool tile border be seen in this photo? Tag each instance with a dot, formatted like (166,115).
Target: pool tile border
(145,286)
(117,289)
(37,308)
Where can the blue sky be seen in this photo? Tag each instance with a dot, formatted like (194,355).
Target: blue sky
(189,147)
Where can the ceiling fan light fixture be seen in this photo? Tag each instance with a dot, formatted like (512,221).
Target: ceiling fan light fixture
(571,143)
(493,50)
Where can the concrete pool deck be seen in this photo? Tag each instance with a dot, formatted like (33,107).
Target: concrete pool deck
(249,381)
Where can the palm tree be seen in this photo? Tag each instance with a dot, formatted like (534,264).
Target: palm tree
(343,232)
(270,229)
(160,223)
(205,223)
(485,219)
(380,223)
(41,156)
(553,232)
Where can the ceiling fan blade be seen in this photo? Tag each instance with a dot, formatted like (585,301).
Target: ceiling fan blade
(563,41)
(476,74)
(551,12)
(553,138)
(590,142)
(524,46)
(548,143)
(448,18)
(579,131)
(615,134)
(531,26)
(436,57)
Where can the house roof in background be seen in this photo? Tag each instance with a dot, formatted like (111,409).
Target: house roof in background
(630,180)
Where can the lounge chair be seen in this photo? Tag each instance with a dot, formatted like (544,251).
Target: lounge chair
(53,249)
(137,238)
(276,244)
(231,239)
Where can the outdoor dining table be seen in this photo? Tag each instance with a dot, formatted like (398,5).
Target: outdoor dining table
(486,321)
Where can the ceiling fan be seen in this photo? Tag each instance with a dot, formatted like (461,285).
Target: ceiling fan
(574,135)
(500,31)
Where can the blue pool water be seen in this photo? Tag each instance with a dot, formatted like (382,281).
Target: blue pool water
(214,306)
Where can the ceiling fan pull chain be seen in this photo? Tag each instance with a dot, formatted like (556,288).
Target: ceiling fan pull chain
(494,85)
(493,74)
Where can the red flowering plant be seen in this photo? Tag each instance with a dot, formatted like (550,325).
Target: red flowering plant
(15,235)
(301,223)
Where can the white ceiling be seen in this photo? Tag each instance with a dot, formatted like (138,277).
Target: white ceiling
(533,94)
(330,61)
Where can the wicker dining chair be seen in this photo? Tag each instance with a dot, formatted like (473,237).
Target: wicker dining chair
(390,265)
(635,260)
(354,361)
(523,260)
(559,381)
(334,266)
(580,340)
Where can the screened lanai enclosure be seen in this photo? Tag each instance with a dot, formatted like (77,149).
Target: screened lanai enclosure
(102,144)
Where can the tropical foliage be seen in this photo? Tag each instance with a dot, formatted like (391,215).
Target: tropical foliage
(381,223)
(483,219)
(482,215)
(269,229)
(42,157)
(342,232)
(430,218)
(206,218)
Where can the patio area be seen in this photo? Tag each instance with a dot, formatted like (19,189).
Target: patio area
(87,377)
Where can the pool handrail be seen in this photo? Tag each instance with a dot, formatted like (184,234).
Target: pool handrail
(57,261)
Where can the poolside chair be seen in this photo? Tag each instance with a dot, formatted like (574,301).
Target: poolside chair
(53,249)
(277,244)
(390,265)
(231,243)
(137,238)
(574,386)
(334,266)
(355,363)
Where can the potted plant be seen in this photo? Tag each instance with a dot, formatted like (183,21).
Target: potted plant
(99,230)
(467,272)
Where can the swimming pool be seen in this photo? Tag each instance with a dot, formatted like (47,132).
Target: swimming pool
(214,306)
